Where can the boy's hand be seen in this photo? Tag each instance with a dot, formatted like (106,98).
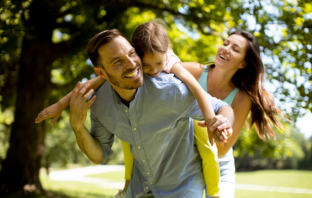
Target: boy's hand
(219,127)
(54,111)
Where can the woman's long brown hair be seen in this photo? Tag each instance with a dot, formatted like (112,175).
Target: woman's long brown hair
(264,112)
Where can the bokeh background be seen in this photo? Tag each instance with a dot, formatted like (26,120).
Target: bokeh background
(42,57)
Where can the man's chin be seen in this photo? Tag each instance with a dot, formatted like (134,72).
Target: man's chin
(135,85)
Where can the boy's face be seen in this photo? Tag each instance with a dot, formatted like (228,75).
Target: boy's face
(153,64)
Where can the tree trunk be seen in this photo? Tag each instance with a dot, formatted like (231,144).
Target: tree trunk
(20,169)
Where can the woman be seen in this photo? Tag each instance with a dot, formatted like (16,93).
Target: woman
(236,77)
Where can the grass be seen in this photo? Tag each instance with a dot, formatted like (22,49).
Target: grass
(116,176)
(261,194)
(278,178)
(281,178)
(77,189)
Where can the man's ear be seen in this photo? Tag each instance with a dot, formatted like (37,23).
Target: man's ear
(100,71)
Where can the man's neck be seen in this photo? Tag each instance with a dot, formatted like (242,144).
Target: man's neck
(126,95)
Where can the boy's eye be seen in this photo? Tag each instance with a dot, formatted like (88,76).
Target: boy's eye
(160,63)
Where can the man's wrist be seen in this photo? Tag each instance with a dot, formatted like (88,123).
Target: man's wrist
(77,127)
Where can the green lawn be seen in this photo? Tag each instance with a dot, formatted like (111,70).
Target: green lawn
(116,176)
(284,178)
(281,178)
(278,178)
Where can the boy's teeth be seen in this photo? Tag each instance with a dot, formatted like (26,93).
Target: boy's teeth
(134,73)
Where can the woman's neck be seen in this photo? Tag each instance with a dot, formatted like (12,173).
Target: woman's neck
(220,80)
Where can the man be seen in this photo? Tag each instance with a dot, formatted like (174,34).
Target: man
(153,117)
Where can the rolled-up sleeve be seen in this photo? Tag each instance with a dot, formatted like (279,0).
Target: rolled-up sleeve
(102,135)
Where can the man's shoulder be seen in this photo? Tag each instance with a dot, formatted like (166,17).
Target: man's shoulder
(166,86)
(102,93)
(164,81)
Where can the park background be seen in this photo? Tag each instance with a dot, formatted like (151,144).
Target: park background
(42,57)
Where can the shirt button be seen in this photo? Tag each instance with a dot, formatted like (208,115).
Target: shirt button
(143,160)
(134,128)
(126,111)
(148,173)
(146,187)
(151,182)
(139,147)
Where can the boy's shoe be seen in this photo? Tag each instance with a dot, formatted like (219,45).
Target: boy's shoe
(120,194)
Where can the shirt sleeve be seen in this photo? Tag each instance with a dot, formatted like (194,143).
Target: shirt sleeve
(172,59)
(102,135)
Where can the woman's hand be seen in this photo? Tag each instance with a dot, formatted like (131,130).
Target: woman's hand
(220,128)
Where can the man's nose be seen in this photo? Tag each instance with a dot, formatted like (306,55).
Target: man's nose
(130,62)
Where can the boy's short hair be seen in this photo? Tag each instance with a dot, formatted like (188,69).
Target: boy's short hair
(151,37)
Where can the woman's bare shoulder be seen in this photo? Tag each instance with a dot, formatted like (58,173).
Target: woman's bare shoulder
(242,99)
(194,68)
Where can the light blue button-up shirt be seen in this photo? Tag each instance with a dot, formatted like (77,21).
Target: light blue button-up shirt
(158,127)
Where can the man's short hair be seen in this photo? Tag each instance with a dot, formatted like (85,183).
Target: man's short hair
(97,41)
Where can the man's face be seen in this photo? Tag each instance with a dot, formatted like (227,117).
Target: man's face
(122,66)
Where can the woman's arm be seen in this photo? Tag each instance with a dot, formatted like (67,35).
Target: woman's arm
(194,68)
(200,94)
(54,111)
(241,107)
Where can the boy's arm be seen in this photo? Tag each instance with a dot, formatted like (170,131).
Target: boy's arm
(54,111)
(199,93)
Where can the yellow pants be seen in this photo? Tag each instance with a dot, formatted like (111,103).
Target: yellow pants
(208,153)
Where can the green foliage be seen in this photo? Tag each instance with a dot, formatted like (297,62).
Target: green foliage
(6,119)
(286,151)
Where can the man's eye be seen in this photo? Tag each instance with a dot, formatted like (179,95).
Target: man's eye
(132,53)
(116,61)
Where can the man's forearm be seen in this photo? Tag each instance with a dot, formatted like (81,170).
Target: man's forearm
(89,145)
(227,111)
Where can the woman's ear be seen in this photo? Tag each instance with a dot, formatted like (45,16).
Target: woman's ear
(243,65)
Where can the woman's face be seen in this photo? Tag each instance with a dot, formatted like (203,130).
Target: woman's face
(231,54)
(153,64)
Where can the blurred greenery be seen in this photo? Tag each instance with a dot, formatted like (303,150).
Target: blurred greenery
(42,56)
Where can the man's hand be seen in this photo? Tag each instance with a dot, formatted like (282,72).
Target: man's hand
(79,105)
